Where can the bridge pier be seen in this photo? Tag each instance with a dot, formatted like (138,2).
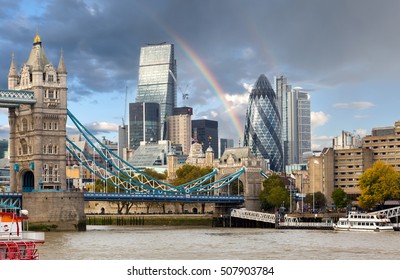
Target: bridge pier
(223,209)
(59,211)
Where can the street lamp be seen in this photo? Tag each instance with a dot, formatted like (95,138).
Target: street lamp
(313,195)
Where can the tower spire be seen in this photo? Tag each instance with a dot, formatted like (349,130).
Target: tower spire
(37,40)
(61,65)
(37,62)
(13,69)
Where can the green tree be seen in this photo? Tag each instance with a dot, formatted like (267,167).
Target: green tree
(274,193)
(378,184)
(317,200)
(155,174)
(340,199)
(189,173)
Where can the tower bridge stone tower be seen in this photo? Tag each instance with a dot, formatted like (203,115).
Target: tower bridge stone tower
(38,142)
(38,131)
(235,159)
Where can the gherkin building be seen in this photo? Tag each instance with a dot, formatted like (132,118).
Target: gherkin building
(263,125)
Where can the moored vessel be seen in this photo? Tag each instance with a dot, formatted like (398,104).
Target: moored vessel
(16,243)
(364,222)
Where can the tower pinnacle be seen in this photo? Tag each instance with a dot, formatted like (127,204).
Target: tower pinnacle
(13,69)
(37,39)
(61,65)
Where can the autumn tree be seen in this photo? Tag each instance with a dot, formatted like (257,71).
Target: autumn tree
(378,184)
(274,193)
(188,173)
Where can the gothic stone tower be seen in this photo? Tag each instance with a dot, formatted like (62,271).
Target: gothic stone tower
(38,131)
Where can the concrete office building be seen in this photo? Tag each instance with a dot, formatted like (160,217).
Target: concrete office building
(347,140)
(385,143)
(179,128)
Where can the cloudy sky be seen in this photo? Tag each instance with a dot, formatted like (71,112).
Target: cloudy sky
(346,54)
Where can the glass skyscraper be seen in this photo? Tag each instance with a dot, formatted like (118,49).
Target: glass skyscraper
(303,123)
(206,132)
(263,125)
(294,109)
(282,90)
(144,120)
(157,80)
(224,144)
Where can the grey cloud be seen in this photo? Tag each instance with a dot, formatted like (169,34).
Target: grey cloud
(354,105)
(325,42)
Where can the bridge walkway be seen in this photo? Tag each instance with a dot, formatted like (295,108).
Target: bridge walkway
(287,222)
(390,213)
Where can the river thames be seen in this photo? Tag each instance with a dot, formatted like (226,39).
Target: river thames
(208,243)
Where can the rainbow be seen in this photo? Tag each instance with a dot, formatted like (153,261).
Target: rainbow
(200,65)
(210,78)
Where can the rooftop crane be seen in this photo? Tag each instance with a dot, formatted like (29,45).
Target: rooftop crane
(185,96)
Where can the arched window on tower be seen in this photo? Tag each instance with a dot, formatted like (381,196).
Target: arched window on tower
(24,146)
(24,125)
(45,173)
(50,174)
(56,175)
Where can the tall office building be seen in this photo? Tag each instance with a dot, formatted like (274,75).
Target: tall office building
(122,139)
(263,125)
(283,90)
(294,109)
(179,128)
(157,80)
(144,120)
(206,132)
(224,144)
(303,119)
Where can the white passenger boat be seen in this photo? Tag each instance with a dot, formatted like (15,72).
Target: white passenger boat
(364,222)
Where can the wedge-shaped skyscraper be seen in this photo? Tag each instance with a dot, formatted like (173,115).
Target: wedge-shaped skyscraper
(263,125)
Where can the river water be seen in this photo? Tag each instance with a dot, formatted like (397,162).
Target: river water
(206,243)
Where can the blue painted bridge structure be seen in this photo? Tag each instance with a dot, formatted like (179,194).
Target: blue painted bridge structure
(15,199)
(129,182)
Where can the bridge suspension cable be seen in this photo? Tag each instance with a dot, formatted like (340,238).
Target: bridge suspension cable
(126,177)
